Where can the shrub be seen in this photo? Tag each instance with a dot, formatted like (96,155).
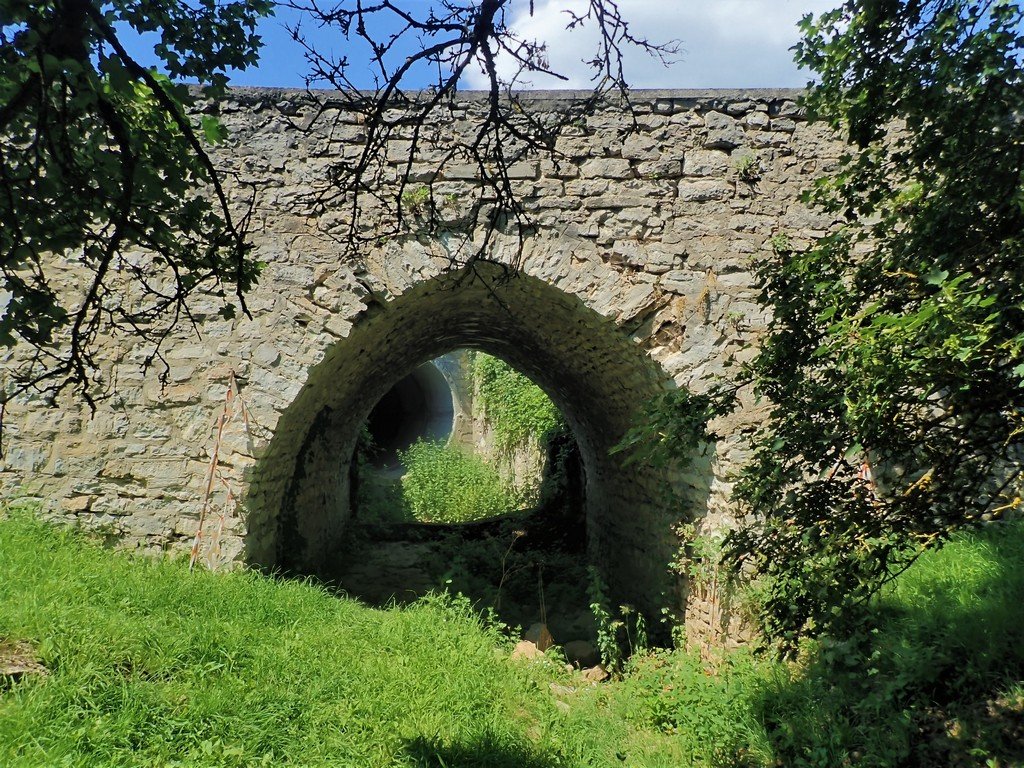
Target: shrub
(444,484)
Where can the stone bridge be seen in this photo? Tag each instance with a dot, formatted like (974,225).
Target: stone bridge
(637,278)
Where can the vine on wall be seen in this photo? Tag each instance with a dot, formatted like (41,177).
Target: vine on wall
(515,407)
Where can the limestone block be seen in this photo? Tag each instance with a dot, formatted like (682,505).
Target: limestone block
(757,121)
(526,169)
(704,191)
(724,132)
(659,169)
(574,146)
(775,139)
(783,124)
(461,172)
(559,168)
(637,299)
(706,162)
(785,108)
(76,504)
(639,146)
(266,355)
(607,168)
(737,108)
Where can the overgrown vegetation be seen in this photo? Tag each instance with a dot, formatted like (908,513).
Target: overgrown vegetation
(441,484)
(893,369)
(516,408)
(153,665)
(620,634)
(447,484)
(895,359)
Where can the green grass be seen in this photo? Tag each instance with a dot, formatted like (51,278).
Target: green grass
(154,666)
(445,484)
(934,678)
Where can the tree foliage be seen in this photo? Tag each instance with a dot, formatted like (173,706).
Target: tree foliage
(103,166)
(894,367)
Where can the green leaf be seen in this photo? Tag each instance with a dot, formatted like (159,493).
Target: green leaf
(214,130)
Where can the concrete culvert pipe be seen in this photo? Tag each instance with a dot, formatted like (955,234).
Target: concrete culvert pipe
(418,407)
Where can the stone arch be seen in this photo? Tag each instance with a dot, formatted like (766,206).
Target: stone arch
(298,500)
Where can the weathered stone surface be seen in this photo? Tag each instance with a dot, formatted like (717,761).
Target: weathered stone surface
(539,635)
(526,650)
(757,120)
(631,282)
(639,146)
(706,162)
(703,191)
(607,168)
(724,132)
(595,675)
(19,660)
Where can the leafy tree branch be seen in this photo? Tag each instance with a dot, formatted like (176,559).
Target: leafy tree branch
(103,167)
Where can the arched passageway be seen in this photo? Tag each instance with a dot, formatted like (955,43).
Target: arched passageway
(595,374)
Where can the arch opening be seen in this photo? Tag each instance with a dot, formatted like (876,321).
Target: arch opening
(463,438)
(494,509)
(300,505)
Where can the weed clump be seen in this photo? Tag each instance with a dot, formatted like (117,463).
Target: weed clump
(445,484)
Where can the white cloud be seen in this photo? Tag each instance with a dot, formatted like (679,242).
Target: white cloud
(724,43)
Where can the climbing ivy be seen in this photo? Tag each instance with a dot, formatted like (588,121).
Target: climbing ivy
(516,408)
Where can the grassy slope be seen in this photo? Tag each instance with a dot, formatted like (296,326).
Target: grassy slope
(152,665)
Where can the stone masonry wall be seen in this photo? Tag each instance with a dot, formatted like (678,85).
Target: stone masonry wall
(637,277)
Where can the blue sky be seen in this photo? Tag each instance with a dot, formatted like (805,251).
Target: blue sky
(724,43)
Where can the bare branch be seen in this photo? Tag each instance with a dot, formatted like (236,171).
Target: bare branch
(501,131)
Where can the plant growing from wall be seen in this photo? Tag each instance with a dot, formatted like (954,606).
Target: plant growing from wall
(699,559)
(416,200)
(748,168)
(516,408)
(673,430)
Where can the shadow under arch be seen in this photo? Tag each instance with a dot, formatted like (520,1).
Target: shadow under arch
(298,497)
